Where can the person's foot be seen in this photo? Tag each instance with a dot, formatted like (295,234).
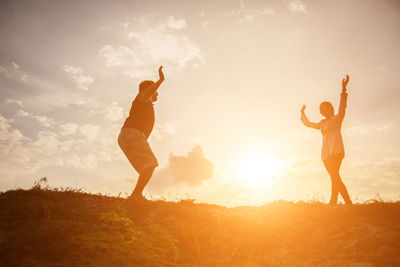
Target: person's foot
(136,197)
(332,203)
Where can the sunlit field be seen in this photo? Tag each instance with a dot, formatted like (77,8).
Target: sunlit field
(64,227)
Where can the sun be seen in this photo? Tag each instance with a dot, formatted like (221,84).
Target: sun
(258,171)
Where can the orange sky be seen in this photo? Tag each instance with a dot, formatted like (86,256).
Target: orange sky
(237,74)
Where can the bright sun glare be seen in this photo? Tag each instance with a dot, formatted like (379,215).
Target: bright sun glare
(257,171)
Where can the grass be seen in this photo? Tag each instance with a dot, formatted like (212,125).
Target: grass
(66,227)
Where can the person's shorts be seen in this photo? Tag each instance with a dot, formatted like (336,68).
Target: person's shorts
(136,148)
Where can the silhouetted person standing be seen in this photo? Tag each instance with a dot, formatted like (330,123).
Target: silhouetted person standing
(135,132)
(332,142)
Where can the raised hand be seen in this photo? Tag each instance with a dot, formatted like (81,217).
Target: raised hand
(161,74)
(303,108)
(345,81)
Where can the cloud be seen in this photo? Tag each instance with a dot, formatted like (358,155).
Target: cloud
(191,169)
(89,131)
(204,24)
(176,24)
(247,15)
(376,176)
(113,112)
(370,128)
(162,129)
(385,127)
(141,49)
(76,73)
(22,113)
(69,128)
(296,6)
(13,101)
(76,146)
(44,120)
(8,136)
(266,11)
(13,70)
(381,68)
(204,21)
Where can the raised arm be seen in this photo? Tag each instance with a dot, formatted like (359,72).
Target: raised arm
(343,98)
(149,91)
(306,122)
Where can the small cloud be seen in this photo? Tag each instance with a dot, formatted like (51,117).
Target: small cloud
(129,181)
(69,128)
(22,113)
(169,129)
(296,6)
(249,16)
(44,120)
(24,77)
(204,21)
(381,69)
(358,130)
(364,129)
(160,130)
(176,24)
(84,162)
(4,123)
(90,131)
(13,101)
(76,73)
(192,169)
(120,56)
(13,70)
(385,127)
(267,11)
(113,112)
(15,66)
(204,24)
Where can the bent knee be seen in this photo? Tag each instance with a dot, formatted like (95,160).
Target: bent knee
(149,168)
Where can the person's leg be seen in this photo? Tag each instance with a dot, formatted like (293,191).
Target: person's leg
(340,185)
(143,180)
(332,165)
(344,193)
(330,168)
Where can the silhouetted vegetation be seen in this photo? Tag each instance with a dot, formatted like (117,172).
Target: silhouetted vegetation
(66,227)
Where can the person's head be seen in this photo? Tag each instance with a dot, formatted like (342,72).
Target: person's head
(143,85)
(326,109)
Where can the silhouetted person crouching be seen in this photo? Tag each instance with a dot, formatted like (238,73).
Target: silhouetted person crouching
(135,132)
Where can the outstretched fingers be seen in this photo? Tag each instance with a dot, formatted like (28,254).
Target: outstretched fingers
(160,73)
(345,81)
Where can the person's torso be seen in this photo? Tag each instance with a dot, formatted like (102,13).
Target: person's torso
(332,142)
(141,116)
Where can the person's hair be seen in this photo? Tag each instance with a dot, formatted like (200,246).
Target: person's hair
(326,106)
(144,84)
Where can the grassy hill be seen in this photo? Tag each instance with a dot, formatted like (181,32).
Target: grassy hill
(43,227)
